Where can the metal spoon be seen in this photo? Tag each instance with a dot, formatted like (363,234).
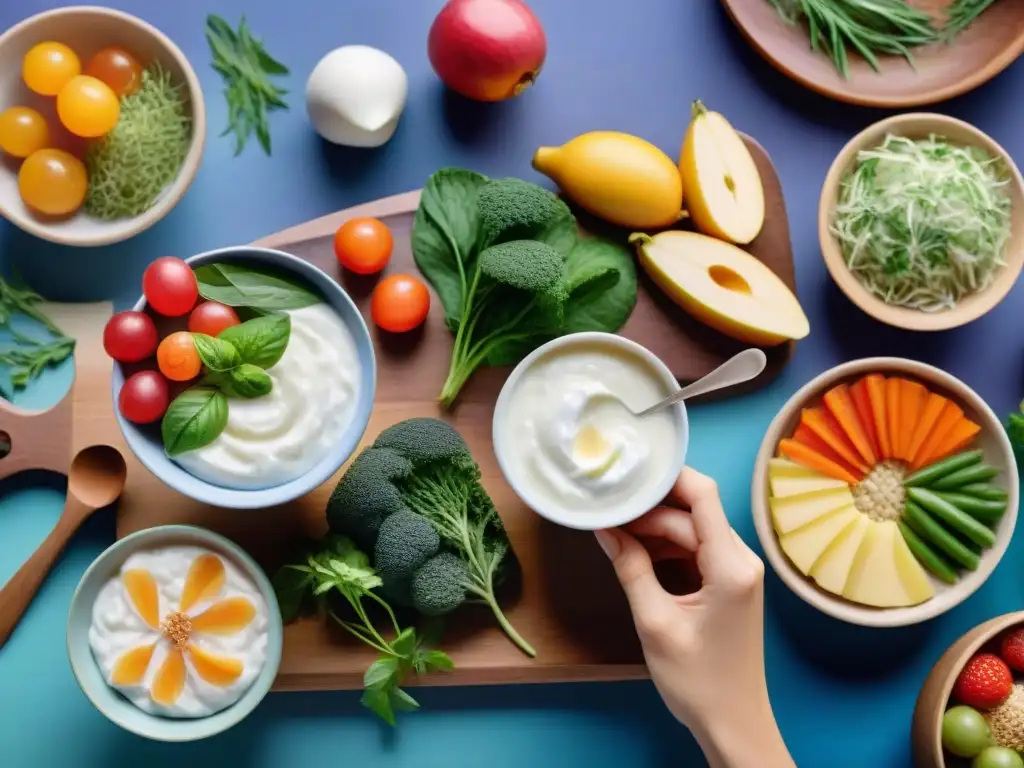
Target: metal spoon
(739,368)
(95,480)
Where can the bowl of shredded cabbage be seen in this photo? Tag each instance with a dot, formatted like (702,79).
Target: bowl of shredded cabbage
(102,125)
(920,222)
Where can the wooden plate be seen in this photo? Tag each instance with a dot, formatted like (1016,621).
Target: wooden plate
(568,605)
(942,71)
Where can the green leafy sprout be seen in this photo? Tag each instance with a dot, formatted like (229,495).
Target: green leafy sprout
(28,356)
(338,567)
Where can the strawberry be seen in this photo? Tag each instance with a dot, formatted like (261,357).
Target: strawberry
(985,682)
(1012,649)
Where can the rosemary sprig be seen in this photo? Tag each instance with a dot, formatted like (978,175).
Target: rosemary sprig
(246,68)
(961,14)
(28,356)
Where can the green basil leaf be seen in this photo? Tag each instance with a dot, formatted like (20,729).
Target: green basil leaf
(380,672)
(595,303)
(405,644)
(194,419)
(378,702)
(445,235)
(439,661)
(246,381)
(216,354)
(241,286)
(260,341)
(402,701)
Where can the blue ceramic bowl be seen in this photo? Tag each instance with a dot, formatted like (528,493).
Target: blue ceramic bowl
(112,704)
(145,441)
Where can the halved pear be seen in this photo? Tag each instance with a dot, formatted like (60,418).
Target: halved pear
(722,286)
(721,184)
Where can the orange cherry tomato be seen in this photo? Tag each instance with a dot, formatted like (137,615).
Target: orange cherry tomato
(117,68)
(399,303)
(48,67)
(53,182)
(88,107)
(22,131)
(177,357)
(363,246)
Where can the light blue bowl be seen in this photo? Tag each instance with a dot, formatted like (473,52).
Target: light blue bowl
(145,441)
(112,704)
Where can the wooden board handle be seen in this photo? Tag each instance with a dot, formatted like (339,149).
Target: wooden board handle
(38,439)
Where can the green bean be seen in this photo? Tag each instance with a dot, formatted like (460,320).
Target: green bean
(956,519)
(986,492)
(927,556)
(977,473)
(927,528)
(988,512)
(930,474)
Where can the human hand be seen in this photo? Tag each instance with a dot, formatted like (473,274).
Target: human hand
(705,650)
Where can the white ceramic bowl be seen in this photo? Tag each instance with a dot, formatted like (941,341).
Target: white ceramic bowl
(87,29)
(992,440)
(503,431)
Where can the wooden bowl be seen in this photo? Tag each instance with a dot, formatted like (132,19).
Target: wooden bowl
(926,727)
(970,307)
(87,29)
(992,440)
(940,71)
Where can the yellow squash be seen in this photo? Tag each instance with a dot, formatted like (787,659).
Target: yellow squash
(618,177)
(724,195)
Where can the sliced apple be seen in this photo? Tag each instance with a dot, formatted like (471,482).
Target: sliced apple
(723,287)
(875,578)
(721,184)
(915,580)
(832,568)
(779,467)
(785,486)
(805,545)
(797,511)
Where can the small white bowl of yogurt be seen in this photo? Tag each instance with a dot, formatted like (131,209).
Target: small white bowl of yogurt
(568,442)
(174,633)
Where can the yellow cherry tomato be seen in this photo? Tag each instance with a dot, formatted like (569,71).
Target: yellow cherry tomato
(52,182)
(22,131)
(88,107)
(48,67)
(117,68)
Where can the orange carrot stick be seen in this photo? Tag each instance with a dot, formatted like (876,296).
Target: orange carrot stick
(912,397)
(801,454)
(893,390)
(959,437)
(933,406)
(862,402)
(948,419)
(876,387)
(840,404)
(821,423)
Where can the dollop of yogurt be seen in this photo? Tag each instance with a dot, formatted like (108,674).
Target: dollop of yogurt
(277,438)
(576,442)
(185,602)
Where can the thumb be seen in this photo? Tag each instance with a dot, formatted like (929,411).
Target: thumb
(650,603)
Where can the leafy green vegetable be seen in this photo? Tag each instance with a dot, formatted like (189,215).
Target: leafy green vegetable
(414,498)
(924,222)
(337,566)
(242,286)
(260,341)
(961,14)
(217,354)
(194,418)
(512,272)
(246,68)
(28,356)
(1015,429)
(244,380)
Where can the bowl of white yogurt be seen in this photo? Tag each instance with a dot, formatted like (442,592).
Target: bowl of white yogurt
(568,442)
(174,633)
(279,446)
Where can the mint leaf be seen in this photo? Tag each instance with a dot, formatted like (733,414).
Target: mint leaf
(241,286)
(260,341)
(194,418)
(217,354)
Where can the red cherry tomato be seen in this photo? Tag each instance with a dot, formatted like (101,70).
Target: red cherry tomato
(399,303)
(170,286)
(178,358)
(212,317)
(144,397)
(130,336)
(363,246)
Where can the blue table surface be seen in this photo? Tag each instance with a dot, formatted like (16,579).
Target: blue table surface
(843,695)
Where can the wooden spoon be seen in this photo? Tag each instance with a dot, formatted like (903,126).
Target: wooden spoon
(96,480)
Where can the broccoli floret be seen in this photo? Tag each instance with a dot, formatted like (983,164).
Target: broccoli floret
(439,586)
(405,541)
(367,494)
(512,209)
(524,264)
(415,497)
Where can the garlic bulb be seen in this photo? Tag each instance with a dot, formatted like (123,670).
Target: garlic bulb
(355,96)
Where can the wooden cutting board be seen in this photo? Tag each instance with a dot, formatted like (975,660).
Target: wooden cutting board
(569,605)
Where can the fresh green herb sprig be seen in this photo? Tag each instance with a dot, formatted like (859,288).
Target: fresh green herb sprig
(338,567)
(869,27)
(1015,429)
(29,356)
(961,14)
(246,68)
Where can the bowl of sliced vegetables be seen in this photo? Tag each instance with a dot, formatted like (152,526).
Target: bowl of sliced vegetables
(921,222)
(102,125)
(885,492)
